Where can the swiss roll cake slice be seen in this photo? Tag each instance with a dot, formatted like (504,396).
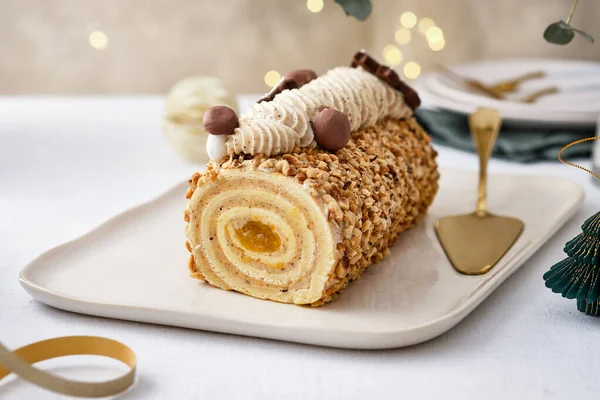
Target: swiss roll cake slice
(298,227)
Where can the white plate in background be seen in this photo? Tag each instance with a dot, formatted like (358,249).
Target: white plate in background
(134,267)
(576,104)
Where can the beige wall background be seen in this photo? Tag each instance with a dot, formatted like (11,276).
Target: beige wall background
(44,46)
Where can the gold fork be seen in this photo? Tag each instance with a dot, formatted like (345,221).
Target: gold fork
(510,85)
(533,97)
(496,91)
(473,84)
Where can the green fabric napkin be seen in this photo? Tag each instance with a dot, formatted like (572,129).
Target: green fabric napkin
(523,145)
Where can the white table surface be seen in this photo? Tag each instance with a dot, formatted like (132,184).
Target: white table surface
(67,164)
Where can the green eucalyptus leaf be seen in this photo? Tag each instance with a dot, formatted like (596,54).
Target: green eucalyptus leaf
(585,35)
(359,9)
(559,33)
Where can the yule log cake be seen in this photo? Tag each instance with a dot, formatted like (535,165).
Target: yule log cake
(311,185)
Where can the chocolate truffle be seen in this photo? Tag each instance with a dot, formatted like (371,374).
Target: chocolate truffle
(331,128)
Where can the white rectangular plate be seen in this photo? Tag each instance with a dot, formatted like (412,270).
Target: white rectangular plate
(134,267)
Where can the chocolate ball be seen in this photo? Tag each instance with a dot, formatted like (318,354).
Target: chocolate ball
(331,128)
(220,120)
(302,76)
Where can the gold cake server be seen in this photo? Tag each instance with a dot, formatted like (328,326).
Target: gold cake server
(475,242)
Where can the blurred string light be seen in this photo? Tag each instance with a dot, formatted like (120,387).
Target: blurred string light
(425,23)
(403,36)
(412,70)
(392,54)
(98,40)
(435,38)
(433,34)
(437,46)
(408,19)
(314,5)
(271,78)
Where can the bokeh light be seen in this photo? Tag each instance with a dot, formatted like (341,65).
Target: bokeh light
(271,78)
(314,5)
(434,34)
(392,54)
(412,70)
(98,40)
(403,36)
(408,19)
(425,23)
(437,46)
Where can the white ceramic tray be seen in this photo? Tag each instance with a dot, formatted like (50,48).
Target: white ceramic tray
(134,267)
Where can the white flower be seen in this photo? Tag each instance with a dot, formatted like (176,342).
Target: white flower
(185,106)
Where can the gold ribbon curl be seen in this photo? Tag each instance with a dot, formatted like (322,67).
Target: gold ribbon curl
(20,360)
(575,165)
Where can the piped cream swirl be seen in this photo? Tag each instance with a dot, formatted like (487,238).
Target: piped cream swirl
(277,126)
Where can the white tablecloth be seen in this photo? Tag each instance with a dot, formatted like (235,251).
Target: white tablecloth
(67,164)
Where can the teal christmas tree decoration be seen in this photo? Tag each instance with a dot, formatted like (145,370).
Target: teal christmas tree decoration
(578,275)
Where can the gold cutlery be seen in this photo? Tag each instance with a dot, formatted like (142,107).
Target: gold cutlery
(509,86)
(498,90)
(533,97)
(475,242)
(473,84)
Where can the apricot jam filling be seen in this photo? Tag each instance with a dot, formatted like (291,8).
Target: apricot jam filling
(258,237)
